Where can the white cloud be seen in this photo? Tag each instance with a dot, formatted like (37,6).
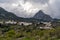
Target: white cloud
(25,8)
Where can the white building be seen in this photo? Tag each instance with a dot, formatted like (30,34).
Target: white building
(24,23)
(1,22)
(10,22)
(48,24)
(46,28)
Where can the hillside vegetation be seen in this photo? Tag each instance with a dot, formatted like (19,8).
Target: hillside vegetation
(30,32)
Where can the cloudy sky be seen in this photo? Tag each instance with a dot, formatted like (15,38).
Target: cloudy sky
(28,8)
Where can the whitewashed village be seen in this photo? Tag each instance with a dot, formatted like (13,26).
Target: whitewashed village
(39,27)
(42,25)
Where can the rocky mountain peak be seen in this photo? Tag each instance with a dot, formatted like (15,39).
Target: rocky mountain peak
(41,15)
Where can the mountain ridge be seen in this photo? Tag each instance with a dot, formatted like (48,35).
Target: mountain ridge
(41,15)
(11,16)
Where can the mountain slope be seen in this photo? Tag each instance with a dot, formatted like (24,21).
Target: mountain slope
(42,16)
(7,15)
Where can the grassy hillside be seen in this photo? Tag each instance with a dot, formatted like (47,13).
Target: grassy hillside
(30,32)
